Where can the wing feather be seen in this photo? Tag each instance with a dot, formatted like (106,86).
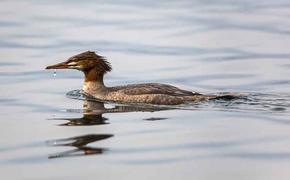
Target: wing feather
(153,88)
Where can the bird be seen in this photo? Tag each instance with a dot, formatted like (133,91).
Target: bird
(95,66)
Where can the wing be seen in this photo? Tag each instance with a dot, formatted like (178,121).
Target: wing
(153,88)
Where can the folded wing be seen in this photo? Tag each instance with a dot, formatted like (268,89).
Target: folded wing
(153,88)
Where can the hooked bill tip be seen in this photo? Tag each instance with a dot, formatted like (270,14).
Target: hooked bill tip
(48,67)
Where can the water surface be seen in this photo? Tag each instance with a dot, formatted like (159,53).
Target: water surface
(205,46)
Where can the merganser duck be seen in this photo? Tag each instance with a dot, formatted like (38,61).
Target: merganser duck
(95,67)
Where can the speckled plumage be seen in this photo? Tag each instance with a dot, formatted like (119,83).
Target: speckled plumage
(94,67)
(150,93)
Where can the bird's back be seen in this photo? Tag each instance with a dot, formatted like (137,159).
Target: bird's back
(152,93)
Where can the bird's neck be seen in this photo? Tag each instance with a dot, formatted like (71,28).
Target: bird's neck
(94,82)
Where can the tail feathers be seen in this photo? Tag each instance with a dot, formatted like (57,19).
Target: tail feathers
(228,97)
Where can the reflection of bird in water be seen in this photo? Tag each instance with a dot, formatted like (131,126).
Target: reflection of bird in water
(80,143)
(93,113)
(94,67)
(86,120)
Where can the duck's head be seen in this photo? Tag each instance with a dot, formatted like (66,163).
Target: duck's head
(86,62)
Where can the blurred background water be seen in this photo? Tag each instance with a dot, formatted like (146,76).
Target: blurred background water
(208,46)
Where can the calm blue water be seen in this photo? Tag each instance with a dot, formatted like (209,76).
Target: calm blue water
(206,46)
